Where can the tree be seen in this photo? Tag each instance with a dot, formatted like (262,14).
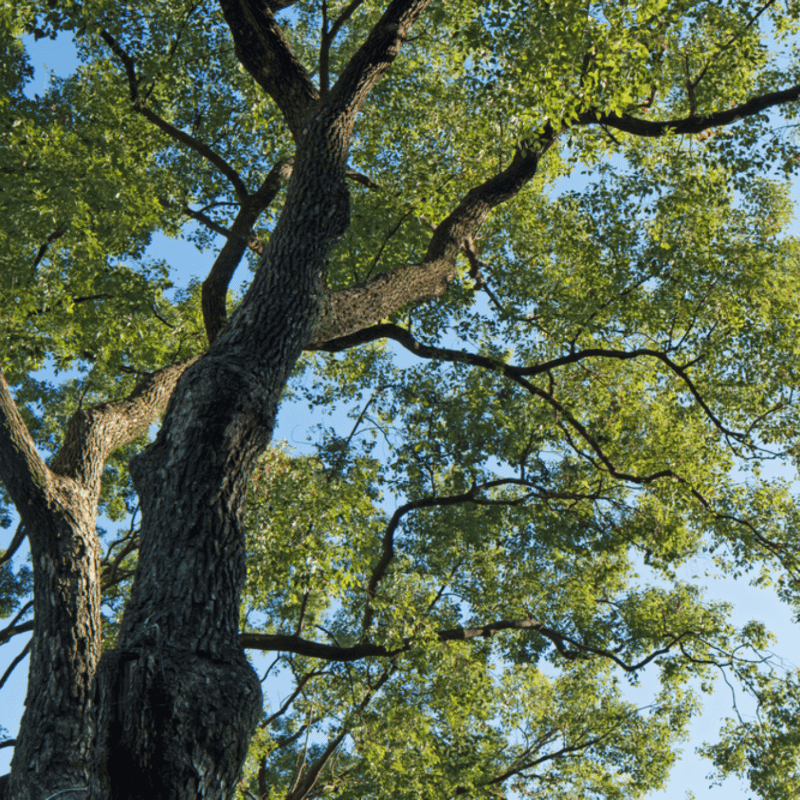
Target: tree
(452,583)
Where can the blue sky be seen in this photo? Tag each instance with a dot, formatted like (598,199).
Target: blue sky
(294,424)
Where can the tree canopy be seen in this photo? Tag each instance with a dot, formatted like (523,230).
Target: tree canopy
(533,260)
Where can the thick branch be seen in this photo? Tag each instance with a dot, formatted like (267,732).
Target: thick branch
(215,286)
(265,53)
(22,470)
(93,434)
(358,307)
(372,59)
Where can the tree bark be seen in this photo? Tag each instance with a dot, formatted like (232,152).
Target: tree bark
(58,507)
(173,707)
(179,701)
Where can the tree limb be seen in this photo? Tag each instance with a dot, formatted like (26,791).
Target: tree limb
(16,542)
(407,340)
(93,434)
(371,60)
(15,663)
(140,107)
(357,307)
(694,123)
(215,286)
(366,649)
(22,470)
(265,53)
(13,630)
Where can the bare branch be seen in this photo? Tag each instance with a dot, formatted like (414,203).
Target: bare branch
(327,37)
(387,545)
(56,234)
(519,375)
(309,780)
(365,649)
(15,663)
(14,630)
(693,123)
(292,697)
(198,216)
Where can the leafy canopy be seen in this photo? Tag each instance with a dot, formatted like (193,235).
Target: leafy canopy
(484,541)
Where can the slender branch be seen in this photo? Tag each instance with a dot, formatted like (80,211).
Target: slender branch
(694,123)
(73,300)
(201,148)
(327,37)
(344,16)
(387,545)
(15,663)
(564,751)
(692,86)
(292,697)
(13,630)
(302,789)
(309,780)
(199,216)
(56,234)
(407,340)
(16,542)
(294,644)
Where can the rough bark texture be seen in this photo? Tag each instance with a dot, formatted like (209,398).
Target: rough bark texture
(53,746)
(215,286)
(179,701)
(58,507)
(186,698)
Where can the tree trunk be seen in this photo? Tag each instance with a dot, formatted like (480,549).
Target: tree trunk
(178,699)
(56,732)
